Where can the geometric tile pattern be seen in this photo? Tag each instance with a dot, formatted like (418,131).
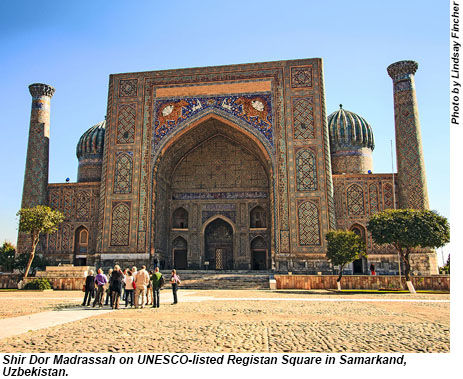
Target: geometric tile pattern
(374,201)
(355,200)
(67,205)
(387,196)
(123,174)
(120,226)
(66,238)
(128,88)
(409,151)
(411,176)
(218,164)
(306,171)
(82,205)
(126,124)
(303,119)
(309,224)
(301,77)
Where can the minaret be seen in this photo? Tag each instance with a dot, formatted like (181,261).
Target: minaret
(411,176)
(36,175)
(35,189)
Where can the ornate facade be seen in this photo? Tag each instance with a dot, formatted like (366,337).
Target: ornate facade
(230,167)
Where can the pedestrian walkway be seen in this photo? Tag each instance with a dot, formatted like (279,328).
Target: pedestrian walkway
(23,324)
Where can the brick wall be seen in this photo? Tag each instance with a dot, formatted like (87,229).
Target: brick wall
(310,282)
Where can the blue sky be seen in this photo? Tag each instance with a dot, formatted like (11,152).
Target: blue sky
(74,46)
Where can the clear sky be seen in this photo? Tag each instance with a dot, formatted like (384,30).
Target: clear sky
(74,46)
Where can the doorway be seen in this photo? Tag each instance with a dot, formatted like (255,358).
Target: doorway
(258,254)
(180,253)
(180,259)
(219,245)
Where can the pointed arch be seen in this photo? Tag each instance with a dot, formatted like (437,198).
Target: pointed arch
(258,217)
(180,218)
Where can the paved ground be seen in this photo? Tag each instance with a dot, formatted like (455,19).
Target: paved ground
(244,321)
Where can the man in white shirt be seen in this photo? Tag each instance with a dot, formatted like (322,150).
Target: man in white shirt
(141,280)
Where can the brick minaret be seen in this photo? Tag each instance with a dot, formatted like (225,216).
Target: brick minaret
(411,176)
(35,189)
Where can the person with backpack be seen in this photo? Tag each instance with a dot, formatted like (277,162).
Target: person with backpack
(158,282)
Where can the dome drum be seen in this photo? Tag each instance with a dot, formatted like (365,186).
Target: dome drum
(356,161)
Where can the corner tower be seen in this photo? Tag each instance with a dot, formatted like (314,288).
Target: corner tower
(36,174)
(35,189)
(411,176)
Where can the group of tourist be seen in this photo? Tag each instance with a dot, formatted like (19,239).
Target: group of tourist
(129,285)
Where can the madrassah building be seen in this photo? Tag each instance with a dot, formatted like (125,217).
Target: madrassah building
(226,168)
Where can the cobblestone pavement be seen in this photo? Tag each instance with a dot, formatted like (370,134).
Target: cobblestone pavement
(18,303)
(249,325)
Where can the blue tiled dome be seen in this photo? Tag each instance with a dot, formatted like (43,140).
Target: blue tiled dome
(91,143)
(349,131)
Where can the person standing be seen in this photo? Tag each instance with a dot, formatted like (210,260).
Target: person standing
(115,286)
(89,288)
(175,281)
(149,290)
(157,282)
(141,282)
(108,290)
(128,288)
(100,281)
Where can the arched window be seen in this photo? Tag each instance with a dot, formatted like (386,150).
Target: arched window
(180,219)
(258,218)
(83,237)
(355,201)
(359,230)
(123,174)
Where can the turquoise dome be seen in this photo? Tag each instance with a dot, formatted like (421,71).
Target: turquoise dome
(91,143)
(349,131)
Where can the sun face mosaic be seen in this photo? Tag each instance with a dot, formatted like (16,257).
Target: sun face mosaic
(255,109)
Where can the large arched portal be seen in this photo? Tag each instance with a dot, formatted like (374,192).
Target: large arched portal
(211,170)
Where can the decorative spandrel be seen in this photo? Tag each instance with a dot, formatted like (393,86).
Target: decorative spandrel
(255,110)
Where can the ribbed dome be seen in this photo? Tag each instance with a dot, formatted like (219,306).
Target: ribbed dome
(348,130)
(92,142)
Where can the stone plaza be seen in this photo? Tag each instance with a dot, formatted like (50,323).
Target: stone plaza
(248,321)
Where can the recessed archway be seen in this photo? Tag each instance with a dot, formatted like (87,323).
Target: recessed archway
(81,246)
(359,265)
(211,168)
